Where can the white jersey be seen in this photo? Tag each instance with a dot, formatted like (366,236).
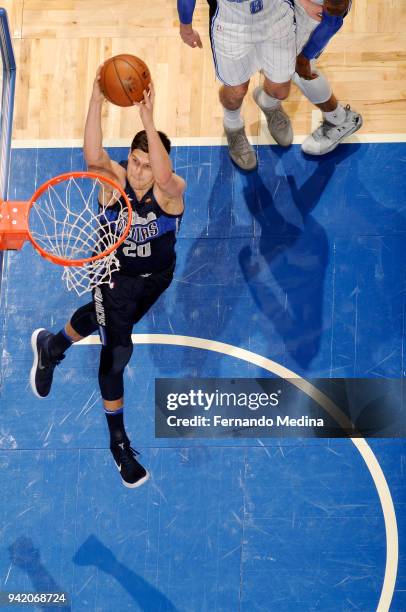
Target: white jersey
(252,35)
(247,12)
(305,25)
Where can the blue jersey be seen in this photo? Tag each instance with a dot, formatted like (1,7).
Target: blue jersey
(150,244)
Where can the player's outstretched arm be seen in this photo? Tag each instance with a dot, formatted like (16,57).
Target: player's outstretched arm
(189,36)
(170,186)
(96,157)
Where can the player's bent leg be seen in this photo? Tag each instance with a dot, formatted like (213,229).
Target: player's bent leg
(49,348)
(113,361)
(241,151)
(338,121)
(269,99)
(83,322)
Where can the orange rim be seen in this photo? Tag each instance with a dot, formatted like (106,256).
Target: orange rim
(60,179)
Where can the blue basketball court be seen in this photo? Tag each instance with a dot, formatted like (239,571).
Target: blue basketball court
(296,270)
(302,263)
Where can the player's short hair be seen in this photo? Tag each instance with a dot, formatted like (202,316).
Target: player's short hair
(140,141)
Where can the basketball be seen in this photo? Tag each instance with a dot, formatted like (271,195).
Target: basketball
(123,79)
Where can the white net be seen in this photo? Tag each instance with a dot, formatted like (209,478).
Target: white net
(78,218)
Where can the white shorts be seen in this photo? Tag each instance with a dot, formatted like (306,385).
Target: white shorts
(304,26)
(266,41)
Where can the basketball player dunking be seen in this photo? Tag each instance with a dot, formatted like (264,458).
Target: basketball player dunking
(315,26)
(147,259)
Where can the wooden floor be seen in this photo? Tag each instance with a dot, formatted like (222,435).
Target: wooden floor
(59,44)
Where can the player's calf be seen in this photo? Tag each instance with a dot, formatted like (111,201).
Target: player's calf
(277,120)
(241,151)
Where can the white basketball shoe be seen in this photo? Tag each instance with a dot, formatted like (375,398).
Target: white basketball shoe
(327,136)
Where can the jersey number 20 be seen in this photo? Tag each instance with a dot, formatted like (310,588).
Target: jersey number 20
(136,250)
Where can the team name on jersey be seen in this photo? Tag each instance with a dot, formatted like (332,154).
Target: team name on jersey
(142,228)
(143,233)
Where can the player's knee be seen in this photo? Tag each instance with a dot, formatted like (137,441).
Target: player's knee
(233,95)
(317,91)
(84,321)
(111,370)
(114,360)
(111,386)
(280,91)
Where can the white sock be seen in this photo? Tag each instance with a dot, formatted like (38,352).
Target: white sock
(267,101)
(233,119)
(336,116)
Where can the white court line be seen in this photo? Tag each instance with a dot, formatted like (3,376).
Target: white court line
(391,530)
(201,141)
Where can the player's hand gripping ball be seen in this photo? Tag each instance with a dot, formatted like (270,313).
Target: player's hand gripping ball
(123,79)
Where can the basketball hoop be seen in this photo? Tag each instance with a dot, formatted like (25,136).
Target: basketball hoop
(76,220)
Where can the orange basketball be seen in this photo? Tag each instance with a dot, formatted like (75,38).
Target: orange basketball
(123,79)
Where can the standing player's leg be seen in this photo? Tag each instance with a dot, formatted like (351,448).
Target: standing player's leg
(277,56)
(49,348)
(269,97)
(241,151)
(338,121)
(235,62)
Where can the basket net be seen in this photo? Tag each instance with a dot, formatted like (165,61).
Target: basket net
(78,221)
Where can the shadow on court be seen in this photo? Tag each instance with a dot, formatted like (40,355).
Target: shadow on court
(276,267)
(285,268)
(93,552)
(25,556)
